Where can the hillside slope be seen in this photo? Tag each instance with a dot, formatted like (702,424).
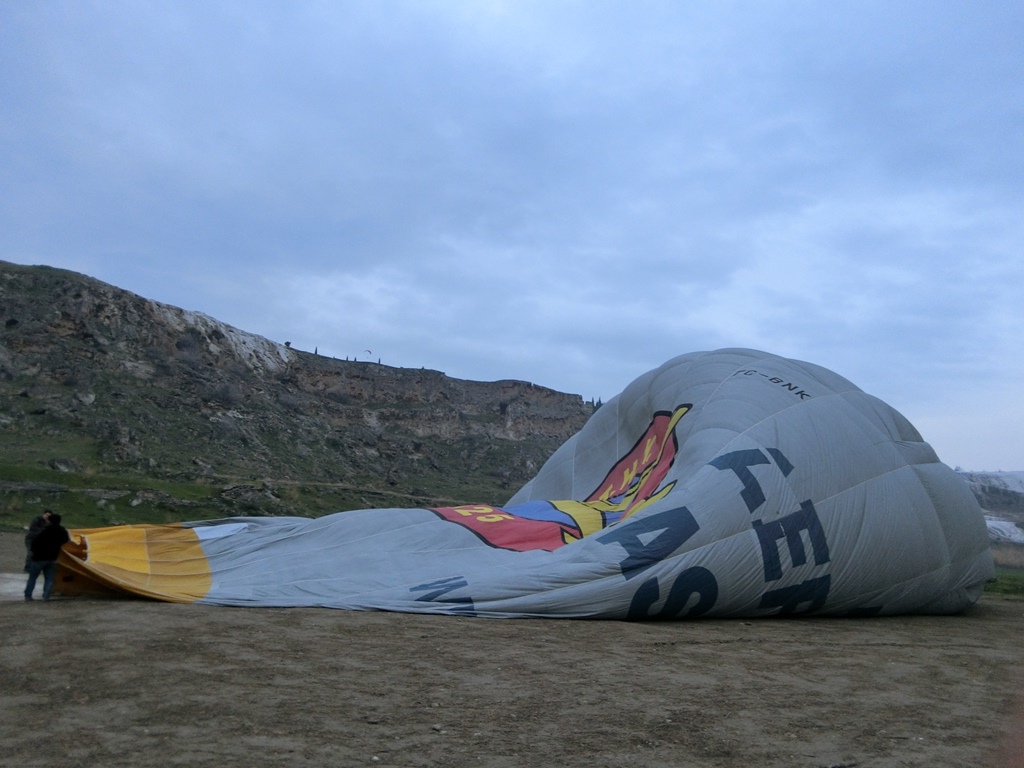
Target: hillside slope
(106,391)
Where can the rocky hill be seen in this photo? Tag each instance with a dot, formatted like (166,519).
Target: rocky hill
(99,386)
(1001,495)
(999,492)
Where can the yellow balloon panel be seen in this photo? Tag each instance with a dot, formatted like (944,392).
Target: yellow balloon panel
(159,561)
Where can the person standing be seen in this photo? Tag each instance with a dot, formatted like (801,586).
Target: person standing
(34,529)
(46,548)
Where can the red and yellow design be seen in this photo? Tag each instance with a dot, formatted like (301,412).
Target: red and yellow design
(632,484)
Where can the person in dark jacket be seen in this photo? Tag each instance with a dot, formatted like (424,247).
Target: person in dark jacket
(34,529)
(46,548)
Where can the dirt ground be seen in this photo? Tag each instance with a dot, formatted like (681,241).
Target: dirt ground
(86,682)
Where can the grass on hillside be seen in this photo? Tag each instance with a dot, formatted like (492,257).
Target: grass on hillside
(98,492)
(99,498)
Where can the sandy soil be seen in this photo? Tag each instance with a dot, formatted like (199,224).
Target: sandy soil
(135,683)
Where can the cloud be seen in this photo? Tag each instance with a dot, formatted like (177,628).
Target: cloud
(563,192)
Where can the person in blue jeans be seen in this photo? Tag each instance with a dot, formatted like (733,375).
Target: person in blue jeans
(45,551)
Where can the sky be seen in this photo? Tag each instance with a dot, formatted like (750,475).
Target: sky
(568,193)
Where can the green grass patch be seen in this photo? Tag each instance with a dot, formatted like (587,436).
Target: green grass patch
(1008,581)
(88,479)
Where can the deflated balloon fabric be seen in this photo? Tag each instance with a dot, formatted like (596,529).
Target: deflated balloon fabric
(727,483)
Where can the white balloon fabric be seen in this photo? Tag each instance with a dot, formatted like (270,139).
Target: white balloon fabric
(728,483)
